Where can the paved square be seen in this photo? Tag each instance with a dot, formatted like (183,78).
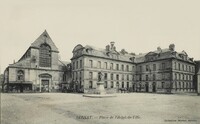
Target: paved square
(63,108)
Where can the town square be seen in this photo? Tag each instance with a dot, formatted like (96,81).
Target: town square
(126,108)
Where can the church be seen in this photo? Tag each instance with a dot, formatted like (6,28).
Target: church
(38,70)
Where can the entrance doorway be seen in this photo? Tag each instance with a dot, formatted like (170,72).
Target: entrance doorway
(154,87)
(147,87)
(45,85)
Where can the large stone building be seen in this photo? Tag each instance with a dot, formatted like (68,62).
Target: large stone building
(39,69)
(118,67)
(163,70)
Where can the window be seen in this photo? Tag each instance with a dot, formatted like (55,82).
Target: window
(133,67)
(189,68)
(147,67)
(147,77)
(122,77)
(90,75)
(90,63)
(117,77)
(175,76)
(179,66)
(90,84)
(140,77)
(105,84)
(111,66)
(76,64)
(163,83)
(105,76)
(183,67)
(154,67)
(80,63)
(133,77)
(117,66)
(64,77)
(127,77)
(140,68)
(122,67)
(127,85)
(45,55)
(117,84)
(154,77)
(73,65)
(112,84)
(105,65)
(163,76)
(99,64)
(186,68)
(163,66)
(111,76)
(122,84)
(175,65)
(76,76)
(175,86)
(80,76)
(127,68)
(20,75)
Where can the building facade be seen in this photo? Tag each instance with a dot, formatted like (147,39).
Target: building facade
(197,76)
(118,69)
(159,71)
(163,70)
(38,70)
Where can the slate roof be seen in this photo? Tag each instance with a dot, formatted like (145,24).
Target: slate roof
(94,51)
(159,54)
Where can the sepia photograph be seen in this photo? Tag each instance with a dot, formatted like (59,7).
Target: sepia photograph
(100,62)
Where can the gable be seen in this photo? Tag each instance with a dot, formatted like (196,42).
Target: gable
(44,38)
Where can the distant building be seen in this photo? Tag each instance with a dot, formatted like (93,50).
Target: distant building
(163,70)
(39,69)
(197,76)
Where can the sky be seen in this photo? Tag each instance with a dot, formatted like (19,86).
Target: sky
(138,26)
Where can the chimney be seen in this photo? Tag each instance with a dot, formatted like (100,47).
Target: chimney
(108,48)
(172,47)
(112,45)
(159,49)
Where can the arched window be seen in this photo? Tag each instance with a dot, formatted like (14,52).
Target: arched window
(20,75)
(45,55)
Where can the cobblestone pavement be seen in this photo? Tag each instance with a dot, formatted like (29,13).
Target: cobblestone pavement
(128,108)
